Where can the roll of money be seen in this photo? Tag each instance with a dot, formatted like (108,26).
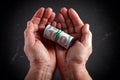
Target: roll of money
(58,36)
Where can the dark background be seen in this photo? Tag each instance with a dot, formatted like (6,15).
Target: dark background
(103,17)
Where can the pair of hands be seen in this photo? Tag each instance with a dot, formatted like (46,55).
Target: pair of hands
(44,55)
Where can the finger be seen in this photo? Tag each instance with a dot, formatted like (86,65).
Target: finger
(45,18)
(75,19)
(64,12)
(62,21)
(58,26)
(52,17)
(70,26)
(68,21)
(38,15)
(29,34)
(86,38)
(54,23)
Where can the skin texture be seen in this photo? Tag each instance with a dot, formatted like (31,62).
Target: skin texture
(71,62)
(40,54)
(43,54)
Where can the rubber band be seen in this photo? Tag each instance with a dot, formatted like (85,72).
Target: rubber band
(57,35)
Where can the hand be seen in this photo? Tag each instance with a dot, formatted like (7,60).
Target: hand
(40,52)
(72,62)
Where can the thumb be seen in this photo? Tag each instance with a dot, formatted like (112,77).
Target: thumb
(86,38)
(29,34)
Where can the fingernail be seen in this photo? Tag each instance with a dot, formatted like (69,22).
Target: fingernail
(88,26)
(71,9)
(62,9)
(42,8)
(49,8)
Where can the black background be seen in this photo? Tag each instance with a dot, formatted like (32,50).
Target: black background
(103,17)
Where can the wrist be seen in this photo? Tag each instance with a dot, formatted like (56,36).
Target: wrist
(66,72)
(76,65)
(80,72)
(40,72)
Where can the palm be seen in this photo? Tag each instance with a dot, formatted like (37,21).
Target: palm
(81,49)
(46,46)
(71,24)
(37,48)
(68,53)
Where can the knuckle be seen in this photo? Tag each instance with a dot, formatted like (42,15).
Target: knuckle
(25,32)
(44,20)
(90,49)
(90,33)
(25,48)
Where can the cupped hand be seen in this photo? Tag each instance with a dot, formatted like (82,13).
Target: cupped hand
(40,52)
(79,52)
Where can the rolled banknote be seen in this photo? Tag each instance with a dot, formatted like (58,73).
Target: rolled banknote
(58,36)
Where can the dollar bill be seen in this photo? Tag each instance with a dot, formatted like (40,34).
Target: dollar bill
(57,36)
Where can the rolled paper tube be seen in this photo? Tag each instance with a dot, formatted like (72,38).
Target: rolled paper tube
(58,36)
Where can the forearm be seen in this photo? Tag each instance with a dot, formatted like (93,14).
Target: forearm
(39,73)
